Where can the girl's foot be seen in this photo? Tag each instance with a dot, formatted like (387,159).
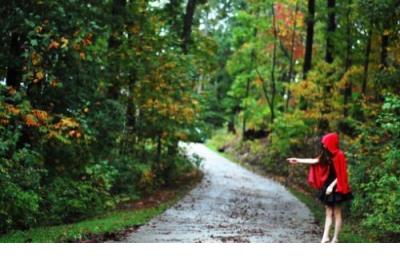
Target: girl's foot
(335,240)
(325,240)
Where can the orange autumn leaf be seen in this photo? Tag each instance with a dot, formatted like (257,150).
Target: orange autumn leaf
(41,115)
(53,83)
(31,121)
(54,45)
(88,40)
(12,109)
(74,133)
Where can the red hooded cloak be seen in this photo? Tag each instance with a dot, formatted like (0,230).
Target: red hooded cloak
(318,173)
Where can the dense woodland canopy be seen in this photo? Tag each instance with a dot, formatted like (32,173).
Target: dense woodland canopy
(96,95)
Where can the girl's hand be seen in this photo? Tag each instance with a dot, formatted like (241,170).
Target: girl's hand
(293,160)
(329,190)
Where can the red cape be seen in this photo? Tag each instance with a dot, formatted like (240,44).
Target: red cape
(318,173)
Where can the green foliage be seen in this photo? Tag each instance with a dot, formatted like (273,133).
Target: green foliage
(376,178)
(389,117)
(288,132)
(220,139)
(71,200)
(20,175)
(109,223)
(94,98)
(356,95)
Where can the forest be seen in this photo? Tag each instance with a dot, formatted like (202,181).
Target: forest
(97,95)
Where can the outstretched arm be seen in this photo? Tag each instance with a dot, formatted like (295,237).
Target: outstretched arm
(311,161)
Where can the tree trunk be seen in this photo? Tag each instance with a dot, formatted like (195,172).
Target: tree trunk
(366,61)
(231,125)
(252,58)
(309,38)
(348,89)
(244,116)
(384,49)
(384,56)
(291,66)
(14,78)
(114,42)
(14,68)
(187,24)
(273,81)
(159,150)
(331,27)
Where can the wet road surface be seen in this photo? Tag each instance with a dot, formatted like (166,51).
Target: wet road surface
(231,204)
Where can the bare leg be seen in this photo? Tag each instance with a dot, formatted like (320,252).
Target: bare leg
(328,223)
(338,223)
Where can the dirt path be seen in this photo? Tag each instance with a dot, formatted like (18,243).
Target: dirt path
(231,204)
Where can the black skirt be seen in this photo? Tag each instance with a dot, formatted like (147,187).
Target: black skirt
(335,198)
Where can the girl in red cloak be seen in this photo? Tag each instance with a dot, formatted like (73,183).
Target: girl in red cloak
(328,174)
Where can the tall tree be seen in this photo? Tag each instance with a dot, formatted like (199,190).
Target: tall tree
(310,20)
(348,60)
(187,24)
(366,60)
(331,28)
(118,10)
(15,64)
(292,50)
(273,66)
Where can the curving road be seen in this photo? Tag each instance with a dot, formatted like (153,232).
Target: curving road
(231,204)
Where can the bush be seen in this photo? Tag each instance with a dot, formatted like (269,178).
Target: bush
(130,171)
(286,139)
(288,133)
(69,200)
(19,184)
(375,174)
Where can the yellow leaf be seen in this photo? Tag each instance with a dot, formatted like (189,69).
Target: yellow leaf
(39,76)
(64,42)
(36,58)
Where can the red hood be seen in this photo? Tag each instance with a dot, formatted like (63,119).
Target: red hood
(318,173)
(331,141)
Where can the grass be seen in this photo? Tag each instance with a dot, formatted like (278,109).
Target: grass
(220,138)
(114,221)
(351,233)
(108,226)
